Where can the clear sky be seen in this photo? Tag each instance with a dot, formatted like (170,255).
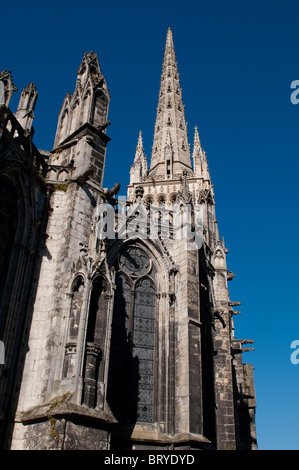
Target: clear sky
(236,60)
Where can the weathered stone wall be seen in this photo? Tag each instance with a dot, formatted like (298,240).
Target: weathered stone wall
(22,213)
(61,434)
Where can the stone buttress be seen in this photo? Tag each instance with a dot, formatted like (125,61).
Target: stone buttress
(57,380)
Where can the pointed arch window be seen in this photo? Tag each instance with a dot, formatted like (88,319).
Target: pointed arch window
(64,125)
(86,107)
(95,341)
(130,392)
(75,114)
(8,224)
(74,321)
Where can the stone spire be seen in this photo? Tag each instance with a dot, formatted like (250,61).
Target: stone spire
(139,167)
(199,158)
(171,152)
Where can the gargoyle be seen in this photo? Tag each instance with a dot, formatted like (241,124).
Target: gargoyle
(108,195)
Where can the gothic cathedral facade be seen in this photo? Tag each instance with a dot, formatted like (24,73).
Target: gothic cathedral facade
(117,325)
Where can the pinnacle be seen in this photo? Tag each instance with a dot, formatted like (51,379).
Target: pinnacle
(169,39)
(199,157)
(140,142)
(139,149)
(196,142)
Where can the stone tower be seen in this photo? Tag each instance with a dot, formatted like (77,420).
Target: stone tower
(202,379)
(57,353)
(129,336)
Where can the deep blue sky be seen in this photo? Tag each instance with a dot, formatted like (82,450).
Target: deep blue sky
(236,60)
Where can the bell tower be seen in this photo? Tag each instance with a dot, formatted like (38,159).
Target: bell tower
(200,370)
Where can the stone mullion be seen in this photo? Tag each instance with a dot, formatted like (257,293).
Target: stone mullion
(102,366)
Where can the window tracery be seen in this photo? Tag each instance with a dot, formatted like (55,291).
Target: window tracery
(131,370)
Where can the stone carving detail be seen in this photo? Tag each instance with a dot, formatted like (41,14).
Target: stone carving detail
(134,262)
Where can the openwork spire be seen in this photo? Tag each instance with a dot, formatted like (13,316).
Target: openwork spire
(171,152)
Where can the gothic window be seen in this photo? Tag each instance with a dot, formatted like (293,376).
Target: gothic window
(161,198)
(74,320)
(77,297)
(173,198)
(75,113)
(95,341)
(63,176)
(63,125)
(168,167)
(8,224)
(148,200)
(130,392)
(86,107)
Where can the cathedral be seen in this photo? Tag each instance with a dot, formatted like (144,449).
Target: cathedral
(115,317)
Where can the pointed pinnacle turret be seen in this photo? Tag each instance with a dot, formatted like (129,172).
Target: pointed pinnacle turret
(199,157)
(170,121)
(139,167)
(139,148)
(88,104)
(25,111)
(197,148)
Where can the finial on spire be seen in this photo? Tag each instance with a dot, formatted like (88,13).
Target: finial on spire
(140,142)
(196,143)
(169,38)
